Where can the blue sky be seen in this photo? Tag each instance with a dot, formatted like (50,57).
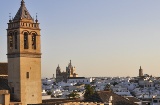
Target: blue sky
(101,37)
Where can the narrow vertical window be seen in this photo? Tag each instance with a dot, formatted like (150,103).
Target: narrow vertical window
(33,41)
(25,40)
(12,89)
(11,40)
(15,38)
(27,75)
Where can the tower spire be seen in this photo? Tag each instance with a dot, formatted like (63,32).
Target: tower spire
(22,2)
(22,12)
(140,72)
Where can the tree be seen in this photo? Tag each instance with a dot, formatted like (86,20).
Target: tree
(115,83)
(73,95)
(89,90)
(108,87)
(49,92)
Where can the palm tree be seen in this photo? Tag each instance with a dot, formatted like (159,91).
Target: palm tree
(89,90)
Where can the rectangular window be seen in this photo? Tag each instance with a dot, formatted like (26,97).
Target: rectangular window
(155,101)
(12,89)
(10,41)
(15,40)
(27,75)
(25,40)
(25,12)
(34,41)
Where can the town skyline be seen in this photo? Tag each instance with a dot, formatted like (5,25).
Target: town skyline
(113,39)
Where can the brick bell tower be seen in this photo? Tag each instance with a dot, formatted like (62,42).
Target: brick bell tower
(24,57)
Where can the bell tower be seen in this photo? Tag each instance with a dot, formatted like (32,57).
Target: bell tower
(140,72)
(24,57)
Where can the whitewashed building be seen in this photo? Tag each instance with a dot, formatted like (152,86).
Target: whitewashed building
(80,80)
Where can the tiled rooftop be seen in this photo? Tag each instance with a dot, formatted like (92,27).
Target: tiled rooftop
(133,99)
(76,78)
(104,96)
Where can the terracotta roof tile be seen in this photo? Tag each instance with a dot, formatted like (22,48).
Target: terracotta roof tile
(133,99)
(103,96)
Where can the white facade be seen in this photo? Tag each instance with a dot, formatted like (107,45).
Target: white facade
(80,80)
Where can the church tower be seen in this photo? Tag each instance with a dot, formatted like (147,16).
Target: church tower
(140,72)
(24,57)
(70,70)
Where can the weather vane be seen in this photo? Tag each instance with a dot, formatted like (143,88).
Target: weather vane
(9,16)
(36,18)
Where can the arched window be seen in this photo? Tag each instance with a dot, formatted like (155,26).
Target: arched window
(15,39)
(33,41)
(25,40)
(11,40)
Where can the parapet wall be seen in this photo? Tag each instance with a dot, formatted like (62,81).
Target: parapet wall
(85,103)
(4,97)
(4,92)
(74,103)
